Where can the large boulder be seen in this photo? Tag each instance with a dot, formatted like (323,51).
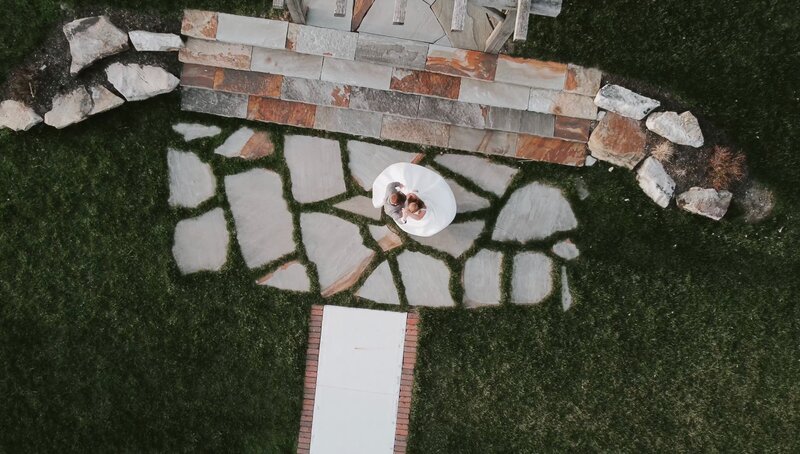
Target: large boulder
(682,129)
(17,116)
(69,108)
(137,82)
(91,39)
(655,182)
(625,102)
(618,140)
(710,203)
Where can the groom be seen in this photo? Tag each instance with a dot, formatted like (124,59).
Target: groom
(395,202)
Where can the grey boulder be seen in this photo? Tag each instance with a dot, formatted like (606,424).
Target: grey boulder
(69,108)
(655,182)
(709,202)
(137,82)
(682,129)
(155,42)
(624,102)
(91,39)
(17,116)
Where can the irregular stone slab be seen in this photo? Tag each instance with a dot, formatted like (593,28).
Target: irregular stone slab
(322,41)
(534,212)
(492,177)
(555,151)
(315,92)
(383,50)
(655,182)
(624,102)
(286,63)
(336,248)
(368,160)
(191,181)
(103,100)
(566,295)
(757,202)
(531,281)
(421,132)
(531,73)
(199,24)
(482,141)
(91,39)
(461,63)
(682,129)
(137,82)
(386,239)
(426,280)
(425,83)
(618,140)
(246,144)
(390,102)
(144,41)
(194,131)
(571,128)
(214,102)
(358,123)
(264,225)
(315,166)
(69,108)
(455,239)
(709,202)
(17,116)
(253,31)
(494,94)
(361,206)
(582,81)
(211,53)
(420,25)
(201,243)
(356,73)
(246,82)
(481,279)
(477,27)
(379,286)
(319,13)
(198,75)
(289,276)
(452,112)
(566,249)
(466,201)
(281,112)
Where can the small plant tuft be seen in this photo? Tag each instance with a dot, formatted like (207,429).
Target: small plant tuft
(725,167)
(664,151)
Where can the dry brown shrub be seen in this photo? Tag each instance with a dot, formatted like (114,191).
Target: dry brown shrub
(725,167)
(664,151)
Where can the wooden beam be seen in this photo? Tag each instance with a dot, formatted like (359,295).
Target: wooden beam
(459,15)
(501,33)
(523,16)
(297,11)
(399,15)
(277,4)
(339,10)
(495,14)
(549,8)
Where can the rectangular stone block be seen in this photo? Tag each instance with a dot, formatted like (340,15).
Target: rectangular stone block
(198,76)
(253,31)
(415,131)
(546,149)
(400,53)
(425,83)
(494,94)
(281,112)
(286,63)
(247,82)
(576,106)
(460,62)
(390,102)
(214,102)
(542,100)
(531,73)
(315,92)
(306,39)
(348,121)
(452,112)
(572,128)
(582,81)
(503,119)
(483,141)
(199,24)
(537,124)
(211,53)
(356,73)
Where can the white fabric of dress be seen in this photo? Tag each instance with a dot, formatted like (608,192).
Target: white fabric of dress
(440,203)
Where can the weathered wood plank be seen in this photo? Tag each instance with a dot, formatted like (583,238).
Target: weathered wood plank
(521,24)
(501,33)
(549,8)
(339,10)
(297,11)
(459,15)
(399,15)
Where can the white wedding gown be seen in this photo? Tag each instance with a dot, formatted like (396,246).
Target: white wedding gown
(440,204)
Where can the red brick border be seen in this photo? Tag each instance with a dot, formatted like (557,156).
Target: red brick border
(310,384)
(406,383)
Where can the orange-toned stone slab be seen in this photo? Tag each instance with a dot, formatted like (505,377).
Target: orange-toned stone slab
(259,146)
(250,83)
(618,140)
(197,76)
(530,72)
(199,24)
(572,128)
(583,81)
(212,53)
(425,83)
(415,131)
(461,62)
(282,112)
(551,150)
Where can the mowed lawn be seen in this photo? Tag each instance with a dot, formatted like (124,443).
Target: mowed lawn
(684,335)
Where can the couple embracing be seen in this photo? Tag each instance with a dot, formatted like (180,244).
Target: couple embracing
(401,205)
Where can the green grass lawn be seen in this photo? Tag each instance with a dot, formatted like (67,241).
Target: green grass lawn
(684,336)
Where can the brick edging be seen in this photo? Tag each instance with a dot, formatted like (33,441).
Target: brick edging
(406,383)
(310,383)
